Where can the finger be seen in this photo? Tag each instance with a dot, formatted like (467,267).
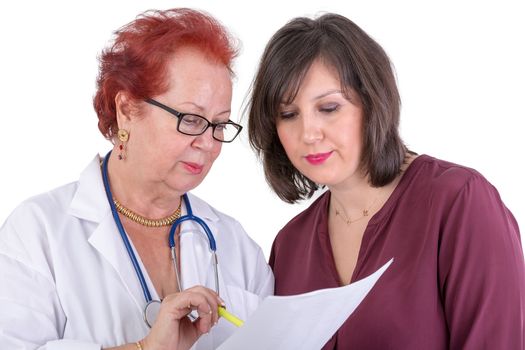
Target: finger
(204,310)
(181,304)
(214,300)
(209,292)
(205,320)
(199,299)
(208,313)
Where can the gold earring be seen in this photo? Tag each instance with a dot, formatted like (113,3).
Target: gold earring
(123,136)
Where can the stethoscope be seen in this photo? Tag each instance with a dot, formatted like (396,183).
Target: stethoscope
(152,307)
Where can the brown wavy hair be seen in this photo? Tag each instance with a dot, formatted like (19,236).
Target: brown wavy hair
(362,66)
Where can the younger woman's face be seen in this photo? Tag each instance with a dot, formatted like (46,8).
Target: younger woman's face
(321,129)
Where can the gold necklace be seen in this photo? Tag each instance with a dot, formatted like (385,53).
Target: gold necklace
(346,219)
(130,214)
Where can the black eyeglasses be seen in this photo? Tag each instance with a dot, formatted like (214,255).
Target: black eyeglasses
(194,124)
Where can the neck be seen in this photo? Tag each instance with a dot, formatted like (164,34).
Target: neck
(352,201)
(147,198)
(354,194)
(358,195)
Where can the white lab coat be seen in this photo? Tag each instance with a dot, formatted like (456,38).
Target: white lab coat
(66,281)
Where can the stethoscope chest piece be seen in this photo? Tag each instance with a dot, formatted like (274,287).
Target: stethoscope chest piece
(151,311)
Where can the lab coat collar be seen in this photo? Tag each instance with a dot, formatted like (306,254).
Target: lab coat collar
(90,200)
(201,209)
(90,203)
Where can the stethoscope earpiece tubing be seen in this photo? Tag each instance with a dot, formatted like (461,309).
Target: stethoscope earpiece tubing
(191,217)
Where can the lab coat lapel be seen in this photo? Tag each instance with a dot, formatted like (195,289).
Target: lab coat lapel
(90,203)
(196,257)
(107,241)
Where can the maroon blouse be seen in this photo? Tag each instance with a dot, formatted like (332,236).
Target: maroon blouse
(458,277)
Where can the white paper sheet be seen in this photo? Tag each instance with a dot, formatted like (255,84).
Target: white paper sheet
(304,321)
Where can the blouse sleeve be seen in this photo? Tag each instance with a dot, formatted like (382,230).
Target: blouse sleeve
(481,271)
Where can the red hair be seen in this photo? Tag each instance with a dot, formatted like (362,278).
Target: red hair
(136,62)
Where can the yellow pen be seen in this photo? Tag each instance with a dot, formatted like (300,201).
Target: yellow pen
(229,317)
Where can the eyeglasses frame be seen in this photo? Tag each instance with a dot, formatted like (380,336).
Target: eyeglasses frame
(180,115)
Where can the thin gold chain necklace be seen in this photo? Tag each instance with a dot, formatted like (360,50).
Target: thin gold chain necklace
(130,214)
(348,220)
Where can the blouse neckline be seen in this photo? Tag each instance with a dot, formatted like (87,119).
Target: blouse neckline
(322,227)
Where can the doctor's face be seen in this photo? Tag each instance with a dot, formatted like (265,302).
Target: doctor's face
(159,152)
(321,129)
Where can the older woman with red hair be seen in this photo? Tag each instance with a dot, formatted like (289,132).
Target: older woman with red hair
(126,257)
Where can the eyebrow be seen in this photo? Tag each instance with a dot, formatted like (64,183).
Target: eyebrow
(324,94)
(329,92)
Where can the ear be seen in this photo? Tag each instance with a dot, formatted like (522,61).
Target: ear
(125,109)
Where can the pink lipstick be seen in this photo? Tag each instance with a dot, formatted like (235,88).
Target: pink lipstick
(193,168)
(318,158)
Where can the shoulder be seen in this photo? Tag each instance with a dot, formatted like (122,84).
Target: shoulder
(56,203)
(444,172)
(26,235)
(42,207)
(444,180)
(459,195)
(40,219)
(202,208)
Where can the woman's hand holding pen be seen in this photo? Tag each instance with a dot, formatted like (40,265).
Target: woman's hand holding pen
(173,330)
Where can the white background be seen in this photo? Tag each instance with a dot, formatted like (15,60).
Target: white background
(460,68)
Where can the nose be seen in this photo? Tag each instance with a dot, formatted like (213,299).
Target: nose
(311,129)
(205,141)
